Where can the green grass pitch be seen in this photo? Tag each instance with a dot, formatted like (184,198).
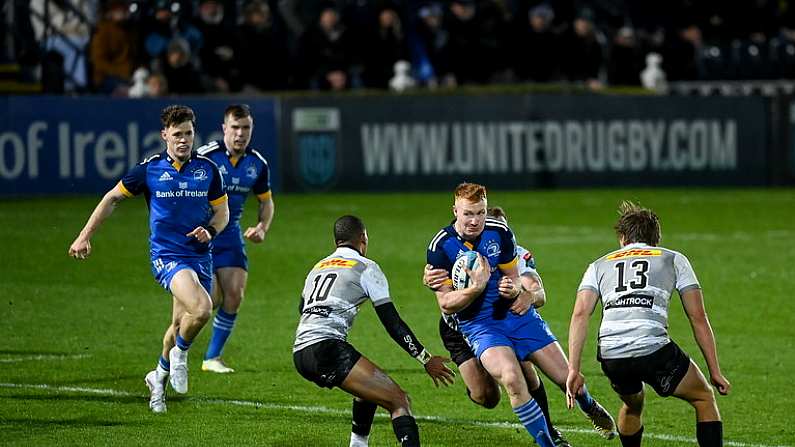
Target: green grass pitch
(78,337)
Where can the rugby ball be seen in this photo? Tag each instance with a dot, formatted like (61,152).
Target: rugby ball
(468,259)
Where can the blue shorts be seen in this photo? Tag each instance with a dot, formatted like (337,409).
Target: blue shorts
(164,268)
(525,335)
(226,256)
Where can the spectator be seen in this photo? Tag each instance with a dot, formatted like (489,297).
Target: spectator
(157,85)
(539,47)
(681,52)
(493,34)
(300,16)
(625,61)
(217,54)
(383,48)
(585,55)
(179,70)
(165,24)
(434,46)
(326,53)
(262,53)
(113,50)
(462,27)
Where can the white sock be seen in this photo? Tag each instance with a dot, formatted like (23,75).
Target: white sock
(358,440)
(161,373)
(179,353)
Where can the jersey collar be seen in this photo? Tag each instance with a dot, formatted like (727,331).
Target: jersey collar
(178,165)
(347,248)
(232,161)
(469,244)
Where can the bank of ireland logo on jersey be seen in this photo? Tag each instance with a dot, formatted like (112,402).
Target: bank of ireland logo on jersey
(316,133)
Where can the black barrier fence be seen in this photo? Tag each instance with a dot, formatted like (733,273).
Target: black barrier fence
(56,145)
(522,141)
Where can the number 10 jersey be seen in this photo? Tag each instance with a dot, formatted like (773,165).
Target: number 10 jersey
(333,291)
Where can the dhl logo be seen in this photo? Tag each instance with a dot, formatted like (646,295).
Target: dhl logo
(635,252)
(336,263)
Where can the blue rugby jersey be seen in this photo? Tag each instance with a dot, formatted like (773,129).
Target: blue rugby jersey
(250,173)
(497,244)
(179,196)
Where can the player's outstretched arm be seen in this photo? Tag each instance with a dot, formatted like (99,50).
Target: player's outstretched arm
(693,302)
(578,330)
(81,247)
(403,336)
(257,233)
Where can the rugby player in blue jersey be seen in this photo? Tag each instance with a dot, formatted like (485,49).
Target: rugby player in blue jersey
(187,209)
(495,313)
(481,388)
(245,171)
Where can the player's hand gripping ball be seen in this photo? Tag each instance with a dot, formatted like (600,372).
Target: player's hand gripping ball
(460,277)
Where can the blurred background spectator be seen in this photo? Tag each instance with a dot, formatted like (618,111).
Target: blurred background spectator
(383,45)
(113,50)
(584,55)
(179,69)
(261,54)
(326,52)
(217,54)
(540,48)
(271,45)
(432,51)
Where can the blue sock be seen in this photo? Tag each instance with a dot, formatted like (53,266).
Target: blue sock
(585,401)
(222,328)
(183,344)
(163,368)
(532,418)
(164,363)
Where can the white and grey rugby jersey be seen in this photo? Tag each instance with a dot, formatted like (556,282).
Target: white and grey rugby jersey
(635,285)
(332,293)
(527,263)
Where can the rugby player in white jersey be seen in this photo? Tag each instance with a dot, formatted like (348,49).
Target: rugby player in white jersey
(634,285)
(333,291)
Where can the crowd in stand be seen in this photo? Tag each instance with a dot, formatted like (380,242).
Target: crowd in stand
(220,46)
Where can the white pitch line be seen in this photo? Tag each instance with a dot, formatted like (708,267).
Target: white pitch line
(28,358)
(326,410)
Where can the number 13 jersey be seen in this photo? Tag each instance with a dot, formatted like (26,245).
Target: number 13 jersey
(635,285)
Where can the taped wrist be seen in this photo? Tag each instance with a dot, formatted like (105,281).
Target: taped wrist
(424,357)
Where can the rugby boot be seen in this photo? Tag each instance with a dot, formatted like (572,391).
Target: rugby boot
(178,376)
(157,392)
